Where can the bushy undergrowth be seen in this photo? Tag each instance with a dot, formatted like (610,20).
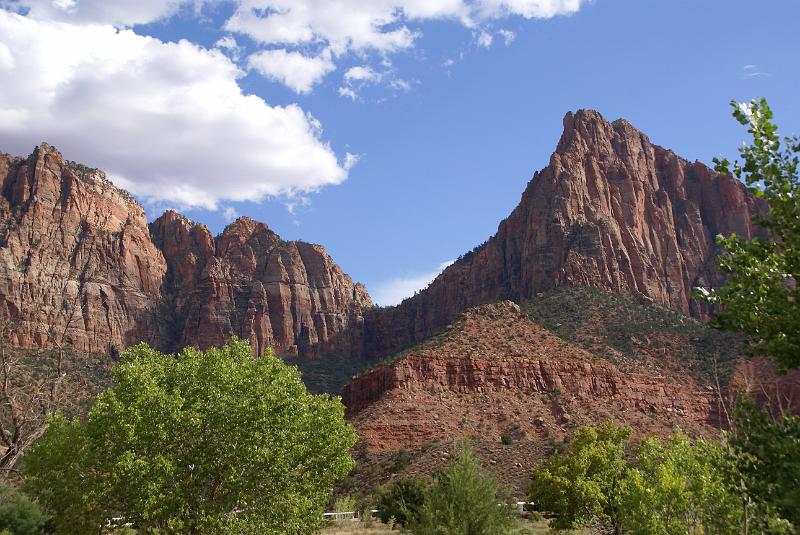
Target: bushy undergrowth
(620,328)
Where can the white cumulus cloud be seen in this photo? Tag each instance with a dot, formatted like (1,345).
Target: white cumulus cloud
(230,46)
(167,121)
(121,13)
(298,72)
(392,292)
(508,36)
(375,26)
(348,93)
(361,73)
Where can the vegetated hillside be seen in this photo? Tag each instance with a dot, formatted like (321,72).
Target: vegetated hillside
(85,376)
(634,334)
(516,390)
(80,267)
(611,210)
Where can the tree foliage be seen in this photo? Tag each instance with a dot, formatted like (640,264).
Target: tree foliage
(761,299)
(583,485)
(401,498)
(671,487)
(462,500)
(212,441)
(761,294)
(676,488)
(764,467)
(19,514)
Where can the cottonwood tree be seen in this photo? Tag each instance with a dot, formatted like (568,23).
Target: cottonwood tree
(584,485)
(761,299)
(213,441)
(761,295)
(676,487)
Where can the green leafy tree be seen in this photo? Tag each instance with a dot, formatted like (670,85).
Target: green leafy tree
(401,498)
(212,441)
(761,295)
(462,500)
(676,488)
(763,468)
(19,514)
(761,299)
(58,473)
(584,485)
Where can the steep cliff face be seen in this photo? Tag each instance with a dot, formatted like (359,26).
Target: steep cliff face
(79,265)
(611,210)
(495,372)
(249,283)
(76,262)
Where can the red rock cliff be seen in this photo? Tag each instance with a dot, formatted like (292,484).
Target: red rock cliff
(611,210)
(76,262)
(249,283)
(79,265)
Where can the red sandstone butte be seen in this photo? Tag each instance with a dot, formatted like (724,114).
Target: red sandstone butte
(495,371)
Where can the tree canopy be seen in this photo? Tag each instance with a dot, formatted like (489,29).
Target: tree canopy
(462,500)
(583,485)
(672,487)
(763,468)
(212,441)
(761,294)
(676,487)
(401,498)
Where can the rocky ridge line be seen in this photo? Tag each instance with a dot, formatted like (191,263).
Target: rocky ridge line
(80,266)
(612,211)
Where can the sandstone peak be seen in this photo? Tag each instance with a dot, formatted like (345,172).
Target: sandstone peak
(243,225)
(612,211)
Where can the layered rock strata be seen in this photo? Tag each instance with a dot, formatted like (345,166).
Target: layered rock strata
(79,266)
(249,283)
(494,371)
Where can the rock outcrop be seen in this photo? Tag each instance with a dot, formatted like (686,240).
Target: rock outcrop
(611,210)
(79,266)
(249,283)
(495,372)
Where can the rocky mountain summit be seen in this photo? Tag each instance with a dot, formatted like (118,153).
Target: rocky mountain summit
(80,266)
(612,211)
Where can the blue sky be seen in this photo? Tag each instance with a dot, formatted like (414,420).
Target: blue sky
(411,158)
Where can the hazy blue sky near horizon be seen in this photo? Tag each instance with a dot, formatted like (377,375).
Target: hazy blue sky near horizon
(446,113)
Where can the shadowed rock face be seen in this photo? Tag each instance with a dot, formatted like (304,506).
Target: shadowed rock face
(79,265)
(611,210)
